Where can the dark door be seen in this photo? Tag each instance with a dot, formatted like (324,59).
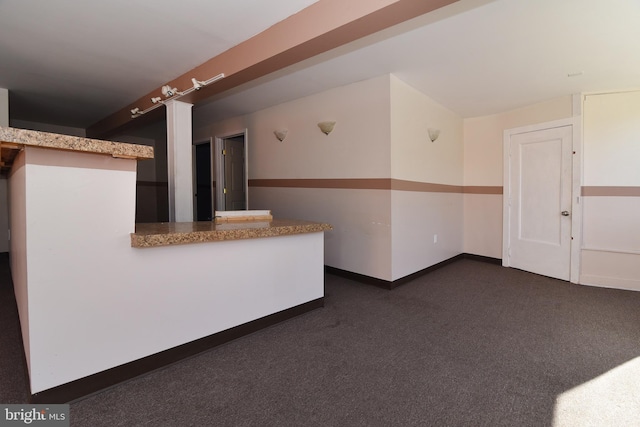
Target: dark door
(234,174)
(203,183)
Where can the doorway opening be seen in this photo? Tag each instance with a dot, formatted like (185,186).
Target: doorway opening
(202,181)
(231,172)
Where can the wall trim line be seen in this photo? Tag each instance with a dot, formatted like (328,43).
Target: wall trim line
(610,191)
(373,184)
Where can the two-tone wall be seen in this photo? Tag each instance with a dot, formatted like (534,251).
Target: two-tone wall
(611,190)
(610,194)
(426,196)
(400,203)
(483,170)
(377,178)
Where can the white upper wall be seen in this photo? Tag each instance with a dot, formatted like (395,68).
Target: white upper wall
(611,142)
(413,156)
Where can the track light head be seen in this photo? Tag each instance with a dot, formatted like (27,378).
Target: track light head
(156,99)
(197,84)
(168,91)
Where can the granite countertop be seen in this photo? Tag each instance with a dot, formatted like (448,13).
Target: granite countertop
(178,233)
(13,139)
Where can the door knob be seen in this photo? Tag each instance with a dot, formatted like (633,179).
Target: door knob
(564,213)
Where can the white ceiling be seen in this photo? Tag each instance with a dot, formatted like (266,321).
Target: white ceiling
(75,61)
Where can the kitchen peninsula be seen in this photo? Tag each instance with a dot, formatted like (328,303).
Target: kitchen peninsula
(102,299)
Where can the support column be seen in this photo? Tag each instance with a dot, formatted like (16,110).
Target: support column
(179,161)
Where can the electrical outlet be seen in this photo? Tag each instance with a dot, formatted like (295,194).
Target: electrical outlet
(435,238)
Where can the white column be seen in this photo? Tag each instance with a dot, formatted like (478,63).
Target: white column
(179,161)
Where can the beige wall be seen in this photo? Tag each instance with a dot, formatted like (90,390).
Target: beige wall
(483,166)
(361,112)
(611,139)
(426,226)
(360,241)
(611,228)
(380,133)
(4,211)
(358,147)
(413,156)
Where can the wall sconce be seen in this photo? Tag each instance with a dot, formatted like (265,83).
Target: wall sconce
(433,134)
(280,134)
(326,127)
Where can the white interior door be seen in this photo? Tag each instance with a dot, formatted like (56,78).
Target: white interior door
(539,201)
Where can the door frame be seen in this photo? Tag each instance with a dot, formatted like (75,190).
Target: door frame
(219,168)
(193,175)
(576,185)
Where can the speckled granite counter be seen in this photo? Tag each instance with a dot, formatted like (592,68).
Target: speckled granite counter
(13,139)
(178,233)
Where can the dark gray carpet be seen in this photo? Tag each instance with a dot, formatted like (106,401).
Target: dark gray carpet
(13,380)
(471,344)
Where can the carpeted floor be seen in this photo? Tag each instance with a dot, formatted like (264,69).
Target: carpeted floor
(471,344)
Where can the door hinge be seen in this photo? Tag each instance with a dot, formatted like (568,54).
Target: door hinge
(224,152)
(224,190)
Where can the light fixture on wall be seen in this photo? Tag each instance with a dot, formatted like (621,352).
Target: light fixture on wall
(171,93)
(281,134)
(326,127)
(433,134)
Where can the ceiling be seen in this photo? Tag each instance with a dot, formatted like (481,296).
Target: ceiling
(73,62)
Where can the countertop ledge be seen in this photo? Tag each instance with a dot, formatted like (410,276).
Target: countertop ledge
(16,138)
(180,233)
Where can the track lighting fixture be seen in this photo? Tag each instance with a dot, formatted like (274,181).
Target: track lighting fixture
(173,93)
